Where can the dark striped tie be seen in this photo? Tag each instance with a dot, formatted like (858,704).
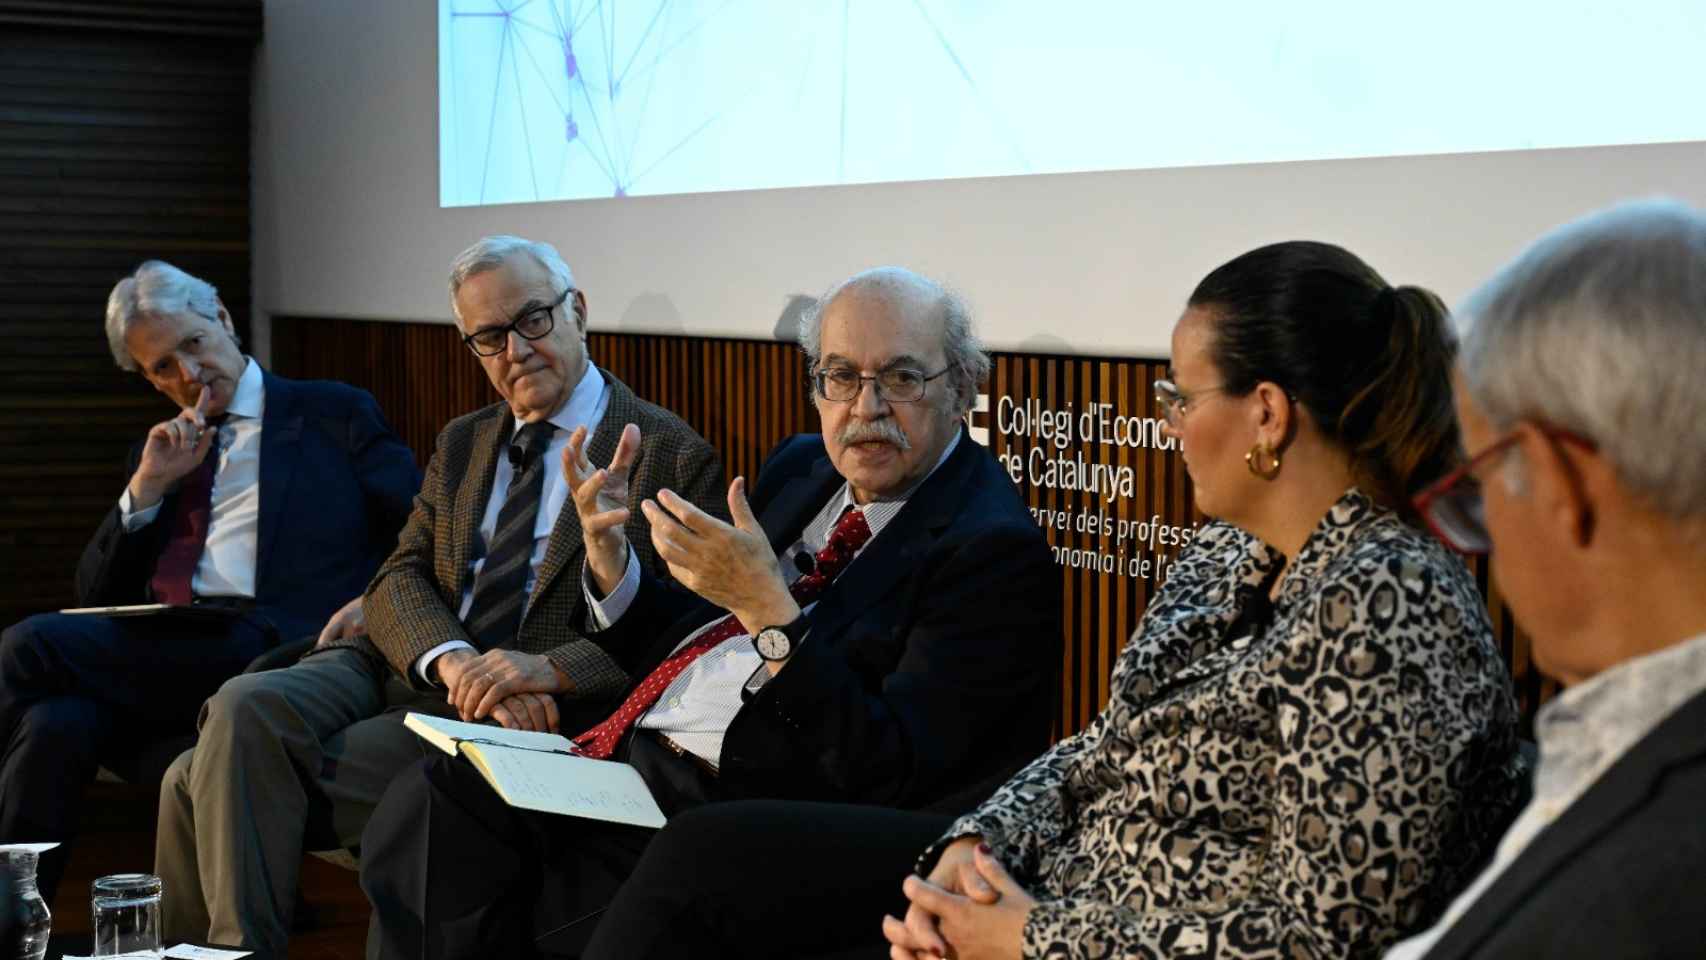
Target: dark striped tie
(192,514)
(500,591)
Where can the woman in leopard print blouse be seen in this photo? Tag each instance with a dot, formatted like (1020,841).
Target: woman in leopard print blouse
(1310,742)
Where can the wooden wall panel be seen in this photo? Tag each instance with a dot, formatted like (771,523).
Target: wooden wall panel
(744,396)
(124,136)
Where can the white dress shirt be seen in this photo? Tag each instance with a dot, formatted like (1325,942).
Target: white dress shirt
(585,406)
(695,710)
(1581,733)
(227,564)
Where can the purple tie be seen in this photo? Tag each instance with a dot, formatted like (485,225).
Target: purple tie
(190,517)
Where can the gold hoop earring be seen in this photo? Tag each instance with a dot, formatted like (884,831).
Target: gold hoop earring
(1253,461)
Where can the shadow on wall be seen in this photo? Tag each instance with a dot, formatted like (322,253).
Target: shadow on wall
(1046,343)
(656,314)
(788,324)
(653,313)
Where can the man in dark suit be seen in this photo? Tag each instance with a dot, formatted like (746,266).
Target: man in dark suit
(881,625)
(276,497)
(470,618)
(1579,392)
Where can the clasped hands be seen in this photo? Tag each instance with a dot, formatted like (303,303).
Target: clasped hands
(513,688)
(729,564)
(969,908)
(516,689)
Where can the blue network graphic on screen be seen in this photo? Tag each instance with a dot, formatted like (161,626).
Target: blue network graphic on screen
(571,99)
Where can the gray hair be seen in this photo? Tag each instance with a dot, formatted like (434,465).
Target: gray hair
(960,344)
(156,289)
(1600,328)
(490,253)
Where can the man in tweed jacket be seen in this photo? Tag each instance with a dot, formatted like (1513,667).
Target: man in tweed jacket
(471,613)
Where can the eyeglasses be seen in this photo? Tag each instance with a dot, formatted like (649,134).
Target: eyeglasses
(1452,505)
(896,384)
(529,324)
(1175,403)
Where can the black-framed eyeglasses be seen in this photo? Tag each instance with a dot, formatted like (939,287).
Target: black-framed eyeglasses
(1175,403)
(896,384)
(530,324)
(1452,505)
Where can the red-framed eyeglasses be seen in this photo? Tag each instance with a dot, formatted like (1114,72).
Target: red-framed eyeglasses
(1452,505)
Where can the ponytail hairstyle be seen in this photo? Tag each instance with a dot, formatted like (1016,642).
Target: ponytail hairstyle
(1370,363)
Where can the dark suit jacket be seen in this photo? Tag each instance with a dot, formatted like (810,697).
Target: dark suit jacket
(412,604)
(335,489)
(930,663)
(1622,873)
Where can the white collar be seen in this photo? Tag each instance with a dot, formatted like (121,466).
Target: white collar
(250,397)
(581,404)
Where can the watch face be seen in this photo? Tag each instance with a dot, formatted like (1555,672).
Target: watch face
(773,644)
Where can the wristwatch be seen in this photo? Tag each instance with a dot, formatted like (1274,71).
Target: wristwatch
(778,643)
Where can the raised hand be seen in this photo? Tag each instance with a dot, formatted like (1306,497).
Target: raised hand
(173,448)
(601,501)
(730,565)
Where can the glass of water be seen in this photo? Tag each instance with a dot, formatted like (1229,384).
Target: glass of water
(127,915)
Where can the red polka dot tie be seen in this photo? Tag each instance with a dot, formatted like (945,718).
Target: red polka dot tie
(849,535)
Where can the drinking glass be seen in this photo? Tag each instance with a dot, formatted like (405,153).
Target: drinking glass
(127,915)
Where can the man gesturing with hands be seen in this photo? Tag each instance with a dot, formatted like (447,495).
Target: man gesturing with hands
(878,623)
(513,687)
(470,617)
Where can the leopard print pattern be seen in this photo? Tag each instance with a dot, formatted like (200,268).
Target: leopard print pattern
(1314,788)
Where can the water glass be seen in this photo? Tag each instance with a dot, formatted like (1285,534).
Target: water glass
(127,915)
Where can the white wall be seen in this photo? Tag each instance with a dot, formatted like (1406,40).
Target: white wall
(347,222)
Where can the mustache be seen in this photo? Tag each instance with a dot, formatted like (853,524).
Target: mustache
(874,431)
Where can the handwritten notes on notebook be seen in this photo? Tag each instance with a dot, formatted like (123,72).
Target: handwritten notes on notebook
(540,771)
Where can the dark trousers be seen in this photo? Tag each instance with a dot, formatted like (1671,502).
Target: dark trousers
(74,689)
(453,871)
(767,878)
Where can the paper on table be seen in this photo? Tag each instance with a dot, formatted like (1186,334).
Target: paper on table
(187,951)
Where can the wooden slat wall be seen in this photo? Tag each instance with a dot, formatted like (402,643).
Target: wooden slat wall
(744,396)
(238,20)
(124,135)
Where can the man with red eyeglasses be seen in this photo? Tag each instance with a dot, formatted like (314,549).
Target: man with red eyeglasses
(1579,391)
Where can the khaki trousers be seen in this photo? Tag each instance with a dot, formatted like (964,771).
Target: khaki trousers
(288,760)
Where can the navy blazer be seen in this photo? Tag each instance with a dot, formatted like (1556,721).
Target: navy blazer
(930,663)
(336,486)
(1622,873)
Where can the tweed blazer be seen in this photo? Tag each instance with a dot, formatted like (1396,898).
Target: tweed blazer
(1306,779)
(412,603)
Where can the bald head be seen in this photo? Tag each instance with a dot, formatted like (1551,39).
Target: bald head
(916,299)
